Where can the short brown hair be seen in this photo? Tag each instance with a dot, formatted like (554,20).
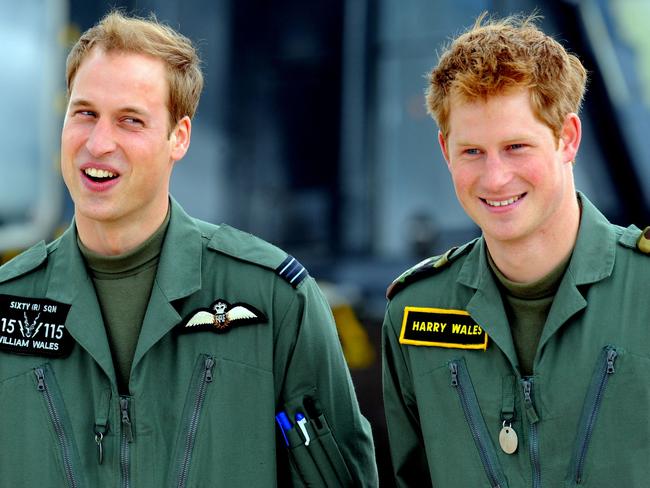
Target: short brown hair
(495,56)
(118,32)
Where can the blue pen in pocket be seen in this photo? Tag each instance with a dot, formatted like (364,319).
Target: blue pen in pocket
(285,425)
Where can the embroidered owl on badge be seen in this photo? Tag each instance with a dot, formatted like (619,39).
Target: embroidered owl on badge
(221,316)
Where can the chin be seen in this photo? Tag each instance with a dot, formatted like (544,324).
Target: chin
(96,213)
(502,234)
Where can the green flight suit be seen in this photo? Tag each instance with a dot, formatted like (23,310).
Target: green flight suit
(201,404)
(582,418)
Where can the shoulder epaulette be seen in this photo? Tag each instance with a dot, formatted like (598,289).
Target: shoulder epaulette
(428,267)
(643,244)
(634,238)
(246,247)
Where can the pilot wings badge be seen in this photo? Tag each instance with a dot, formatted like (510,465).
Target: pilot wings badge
(221,316)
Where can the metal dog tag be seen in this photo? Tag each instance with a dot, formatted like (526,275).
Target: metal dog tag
(508,439)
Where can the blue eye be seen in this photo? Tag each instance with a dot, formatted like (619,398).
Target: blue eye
(473,151)
(133,121)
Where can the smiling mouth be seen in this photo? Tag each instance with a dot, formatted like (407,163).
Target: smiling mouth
(99,175)
(503,203)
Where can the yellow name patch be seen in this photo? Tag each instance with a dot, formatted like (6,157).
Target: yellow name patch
(440,327)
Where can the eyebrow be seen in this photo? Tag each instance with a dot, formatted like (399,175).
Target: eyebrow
(81,102)
(509,140)
(519,138)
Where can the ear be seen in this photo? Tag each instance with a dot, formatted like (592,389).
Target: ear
(443,147)
(570,136)
(180,138)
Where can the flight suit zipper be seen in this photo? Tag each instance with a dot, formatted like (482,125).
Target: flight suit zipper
(127,438)
(205,379)
(533,419)
(604,370)
(461,381)
(57,422)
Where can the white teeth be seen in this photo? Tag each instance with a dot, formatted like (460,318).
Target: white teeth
(502,203)
(99,173)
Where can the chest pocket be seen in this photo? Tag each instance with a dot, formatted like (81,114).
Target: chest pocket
(40,449)
(615,425)
(453,420)
(223,434)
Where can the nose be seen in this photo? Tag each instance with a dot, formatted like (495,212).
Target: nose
(496,173)
(101,140)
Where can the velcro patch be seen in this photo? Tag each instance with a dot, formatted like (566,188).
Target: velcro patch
(440,327)
(34,326)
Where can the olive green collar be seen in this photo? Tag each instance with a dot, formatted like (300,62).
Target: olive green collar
(544,287)
(128,263)
(179,267)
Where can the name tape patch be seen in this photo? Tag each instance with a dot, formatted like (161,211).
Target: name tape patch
(34,326)
(441,327)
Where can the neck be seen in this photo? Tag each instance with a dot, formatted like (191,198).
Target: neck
(533,258)
(112,238)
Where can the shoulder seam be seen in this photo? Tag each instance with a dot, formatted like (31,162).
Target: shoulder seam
(249,248)
(15,268)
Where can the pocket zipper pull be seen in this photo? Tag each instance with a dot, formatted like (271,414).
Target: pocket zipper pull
(611,357)
(209,363)
(453,367)
(40,378)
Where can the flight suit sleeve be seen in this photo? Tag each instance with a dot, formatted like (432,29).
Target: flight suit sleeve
(402,418)
(315,382)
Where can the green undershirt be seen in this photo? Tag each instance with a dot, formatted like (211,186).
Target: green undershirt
(527,306)
(123,285)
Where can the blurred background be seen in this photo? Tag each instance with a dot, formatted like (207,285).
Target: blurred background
(312,133)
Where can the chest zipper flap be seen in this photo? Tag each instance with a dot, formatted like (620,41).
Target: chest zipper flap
(126,439)
(533,420)
(605,369)
(461,381)
(46,384)
(201,379)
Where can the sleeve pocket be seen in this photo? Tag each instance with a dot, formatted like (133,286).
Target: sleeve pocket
(314,456)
